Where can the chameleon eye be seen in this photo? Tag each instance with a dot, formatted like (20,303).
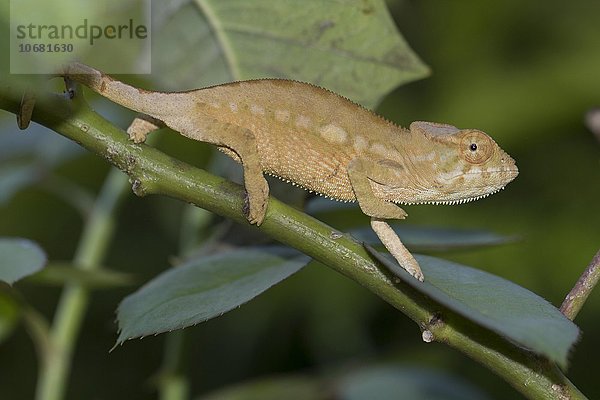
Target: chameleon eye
(478,147)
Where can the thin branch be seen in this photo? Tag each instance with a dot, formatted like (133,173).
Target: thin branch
(592,121)
(173,382)
(152,172)
(582,289)
(72,306)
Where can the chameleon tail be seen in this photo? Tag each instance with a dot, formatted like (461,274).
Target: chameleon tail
(143,101)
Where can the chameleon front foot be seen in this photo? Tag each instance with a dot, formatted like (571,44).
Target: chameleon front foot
(392,242)
(140,128)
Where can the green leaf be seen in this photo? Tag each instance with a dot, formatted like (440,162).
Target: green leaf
(421,238)
(9,314)
(351,47)
(372,382)
(19,258)
(14,178)
(386,382)
(48,149)
(204,288)
(495,303)
(59,274)
(43,151)
(277,388)
(321,205)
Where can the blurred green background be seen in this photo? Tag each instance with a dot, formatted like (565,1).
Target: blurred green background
(525,72)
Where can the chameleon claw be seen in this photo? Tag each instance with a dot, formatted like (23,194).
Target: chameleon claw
(254,215)
(412,267)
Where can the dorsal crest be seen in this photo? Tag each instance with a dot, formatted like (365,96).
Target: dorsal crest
(432,129)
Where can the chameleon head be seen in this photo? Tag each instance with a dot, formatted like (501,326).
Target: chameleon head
(457,166)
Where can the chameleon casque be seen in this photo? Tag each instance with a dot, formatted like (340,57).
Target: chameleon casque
(325,143)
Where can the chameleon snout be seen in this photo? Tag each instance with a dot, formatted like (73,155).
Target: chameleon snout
(509,166)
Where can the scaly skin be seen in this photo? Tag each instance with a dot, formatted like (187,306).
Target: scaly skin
(325,143)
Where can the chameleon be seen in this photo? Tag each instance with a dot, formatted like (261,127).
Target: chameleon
(323,142)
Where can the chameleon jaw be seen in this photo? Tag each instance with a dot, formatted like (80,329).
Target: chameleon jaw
(510,173)
(450,202)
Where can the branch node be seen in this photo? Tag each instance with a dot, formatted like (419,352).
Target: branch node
(427,336)
(435,321)
(560,391)
(138,188)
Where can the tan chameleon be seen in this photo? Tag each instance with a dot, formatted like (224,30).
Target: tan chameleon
(325,143)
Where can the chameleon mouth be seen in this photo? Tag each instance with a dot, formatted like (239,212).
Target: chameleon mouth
(511,173)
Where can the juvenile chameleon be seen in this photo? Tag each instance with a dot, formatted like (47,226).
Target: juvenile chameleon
(325,143)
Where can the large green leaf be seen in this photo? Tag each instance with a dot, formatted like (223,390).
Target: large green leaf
(294,387)
(376,382)
(39,142)
(28,159)
(19,258)
(495,303)
(351,47)
(204,288)
(429,238)
(395,382)
(416,238)
(14,178)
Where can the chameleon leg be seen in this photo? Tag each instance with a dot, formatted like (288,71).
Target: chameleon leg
(242,143)
(369,204)
(379,210)
(392,242)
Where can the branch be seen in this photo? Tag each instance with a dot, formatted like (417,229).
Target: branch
(582,289)
(152,172)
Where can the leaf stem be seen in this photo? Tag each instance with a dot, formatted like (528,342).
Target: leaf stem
(173,383)
(73,302)
(153,172)
(582,289)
